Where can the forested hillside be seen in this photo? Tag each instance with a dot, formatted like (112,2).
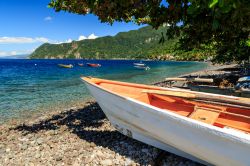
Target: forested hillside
(136,44)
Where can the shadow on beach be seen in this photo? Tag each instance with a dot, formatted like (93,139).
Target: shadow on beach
(90,124)
(75,119)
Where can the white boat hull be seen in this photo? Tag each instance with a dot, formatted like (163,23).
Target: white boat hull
(180,135)
(139,64)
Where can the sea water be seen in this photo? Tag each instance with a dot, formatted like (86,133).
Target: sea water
(29,86)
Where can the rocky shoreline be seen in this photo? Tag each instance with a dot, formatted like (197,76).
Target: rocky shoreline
(211,70)
(76,136)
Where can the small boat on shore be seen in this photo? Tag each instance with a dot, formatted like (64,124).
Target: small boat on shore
(65,66)
(142,67)
(139,64)
(207,128)
(80,64)
(93,64)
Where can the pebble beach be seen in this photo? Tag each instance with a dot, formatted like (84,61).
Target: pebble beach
(80,135)
(76,136)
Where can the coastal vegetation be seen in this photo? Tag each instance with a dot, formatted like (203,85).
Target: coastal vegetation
(218,25)
(135,44)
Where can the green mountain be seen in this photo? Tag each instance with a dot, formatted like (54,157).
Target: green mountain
(136,44)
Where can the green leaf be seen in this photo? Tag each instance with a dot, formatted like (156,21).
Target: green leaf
(234,5)
(248,42)
(216,24)
(213,3)
(226,8)
(221,3)
(192,9)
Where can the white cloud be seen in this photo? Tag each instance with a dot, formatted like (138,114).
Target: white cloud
(45,40)
(29,40)
(3,53)
(15,52)
(48,18)
(81,37)
(68,41)
(61,42)
(7,40)
(42,39)
(22,40)
(56,42)
(91,36)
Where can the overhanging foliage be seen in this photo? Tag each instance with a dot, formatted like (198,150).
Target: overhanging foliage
(222,25)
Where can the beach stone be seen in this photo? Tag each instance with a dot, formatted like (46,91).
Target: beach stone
(128,162)
(58,158)
(76,163)
(31,164)
(23,139)
(2,151)
(38,155)
(39,141)
(24,146)
(92,144)
(50,132)
(117,162)
(106,162)
(145,150)
(89,159)
(99,153)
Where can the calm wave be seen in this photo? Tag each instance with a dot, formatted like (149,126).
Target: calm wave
(29,86)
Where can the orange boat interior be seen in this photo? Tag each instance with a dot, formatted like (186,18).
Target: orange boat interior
(217,115)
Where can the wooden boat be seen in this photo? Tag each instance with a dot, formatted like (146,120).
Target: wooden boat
(208,128)
(94,64)
(80,64)
(65,66)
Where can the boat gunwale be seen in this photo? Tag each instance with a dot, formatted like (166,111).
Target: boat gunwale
(222,132)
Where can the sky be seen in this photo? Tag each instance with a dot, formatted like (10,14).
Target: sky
(26,24)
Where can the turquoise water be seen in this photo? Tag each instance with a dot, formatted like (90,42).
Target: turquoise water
(30,86)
